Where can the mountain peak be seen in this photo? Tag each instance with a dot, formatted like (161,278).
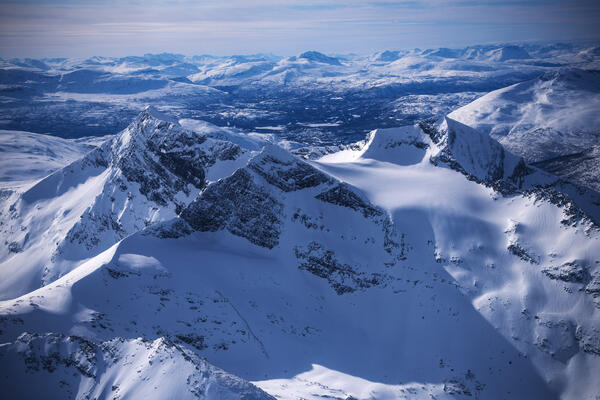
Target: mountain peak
(405,145)
(277,152)
(387,56)
(319,57)
(151,112)
(510,52)
(574,79)
(475,153)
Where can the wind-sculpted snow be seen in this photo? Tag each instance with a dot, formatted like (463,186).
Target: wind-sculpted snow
(27,157)
(481,158)
(408,147)
(473,152)
(478,157)
(593,289)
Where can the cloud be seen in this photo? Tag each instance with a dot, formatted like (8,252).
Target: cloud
(69,27)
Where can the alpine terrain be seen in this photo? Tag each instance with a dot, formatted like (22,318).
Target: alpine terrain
(241,237)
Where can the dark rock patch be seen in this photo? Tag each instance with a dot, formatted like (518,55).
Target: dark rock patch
(572,271)
(343,278)
(240,206)
(342,195)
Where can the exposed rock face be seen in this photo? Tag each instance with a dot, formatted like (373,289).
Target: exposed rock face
(50,352)
(593,288)
(342,195)
(589,340)
(520,172)
(316,152)
(517,250)
(164,158)
(483,160)
(169,230)
(573,214)
(572,271)
(250,202)
(470,152)
(240,206)
(153,164)
(582,167)
(146,174)
(343,278)
(286,172)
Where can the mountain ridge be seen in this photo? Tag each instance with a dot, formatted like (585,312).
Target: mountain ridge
(278,263)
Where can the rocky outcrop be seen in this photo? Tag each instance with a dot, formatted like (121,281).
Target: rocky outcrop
(593,288)
(342,195)
(484,160)
(286,172)
(574,272)
(164,158)
(519,251)
(589,340)
(155,169)
(582,167)
(343,278)
(239,205)
(470,152)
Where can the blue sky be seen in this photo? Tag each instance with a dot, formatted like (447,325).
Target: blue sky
(41,28)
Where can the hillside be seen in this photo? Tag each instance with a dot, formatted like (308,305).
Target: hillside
(306,278)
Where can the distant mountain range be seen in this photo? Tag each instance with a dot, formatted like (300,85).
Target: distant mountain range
(407,224)
(311,98)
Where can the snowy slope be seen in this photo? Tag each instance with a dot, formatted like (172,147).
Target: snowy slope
(27,157)
(331,277)
(553,115)
(475,155)
(464,245)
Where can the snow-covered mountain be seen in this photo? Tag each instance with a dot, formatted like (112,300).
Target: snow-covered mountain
(547,117)
(178,242)
(312,97)
(147,173)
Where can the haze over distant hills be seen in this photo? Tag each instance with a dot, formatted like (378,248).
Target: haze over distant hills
(327,98)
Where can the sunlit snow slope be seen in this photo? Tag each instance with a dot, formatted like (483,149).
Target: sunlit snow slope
(554,115)
(27,157)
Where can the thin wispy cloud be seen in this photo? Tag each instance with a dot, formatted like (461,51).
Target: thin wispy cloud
(42,28)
